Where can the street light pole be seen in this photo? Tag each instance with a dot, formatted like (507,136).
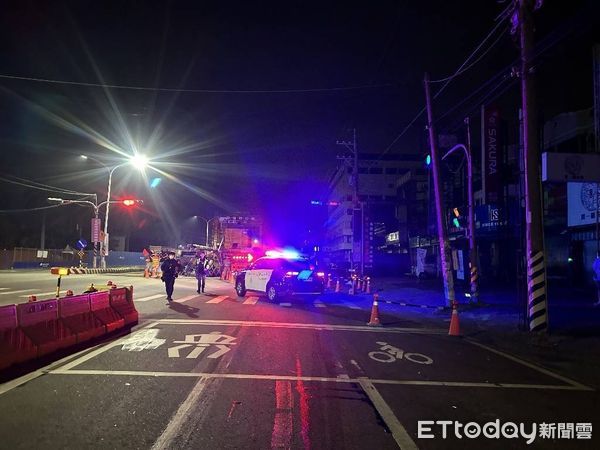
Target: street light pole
(106,240)
(471,227)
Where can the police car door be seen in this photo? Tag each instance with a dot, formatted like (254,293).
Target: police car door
(262,274)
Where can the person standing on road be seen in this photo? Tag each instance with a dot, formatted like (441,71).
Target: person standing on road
(596,268)
(170,270)
(201,273)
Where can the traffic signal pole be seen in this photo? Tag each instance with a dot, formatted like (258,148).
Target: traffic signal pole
(441,224)
(536,267)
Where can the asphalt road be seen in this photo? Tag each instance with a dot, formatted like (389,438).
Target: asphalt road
(213,371)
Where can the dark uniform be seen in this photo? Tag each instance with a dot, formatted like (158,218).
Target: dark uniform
(170,270)
(201,274)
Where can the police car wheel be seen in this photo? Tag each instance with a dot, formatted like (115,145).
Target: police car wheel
(272,293)
(240,289)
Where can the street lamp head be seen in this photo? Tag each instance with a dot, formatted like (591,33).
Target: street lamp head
(139,161)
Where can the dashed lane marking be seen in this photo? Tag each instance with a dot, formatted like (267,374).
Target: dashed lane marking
(39,294)
(17,292)
(319,304)
(151,297)
(185,299)
(250,301)
(4,289)
(285,304)
(218,299)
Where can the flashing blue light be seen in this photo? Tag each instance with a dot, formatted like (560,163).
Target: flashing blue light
(316,202)
(155,182)
(428,160)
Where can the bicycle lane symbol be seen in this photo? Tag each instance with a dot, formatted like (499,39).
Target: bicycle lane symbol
(388,354)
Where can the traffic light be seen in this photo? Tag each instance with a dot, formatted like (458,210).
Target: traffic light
(459,220)
(428,160)
(131,202)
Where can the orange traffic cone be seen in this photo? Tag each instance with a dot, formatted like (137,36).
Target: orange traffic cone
(374,322)
(359,284)
(337,285)
(32,298)
(454,324)
(368,288)
(69,293)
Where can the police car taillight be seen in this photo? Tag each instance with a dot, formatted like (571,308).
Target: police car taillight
(291,274)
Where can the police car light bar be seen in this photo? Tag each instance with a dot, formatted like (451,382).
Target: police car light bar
(287,254)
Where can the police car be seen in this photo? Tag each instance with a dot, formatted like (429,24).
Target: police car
(279,275)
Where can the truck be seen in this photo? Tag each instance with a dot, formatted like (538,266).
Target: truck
(238,239)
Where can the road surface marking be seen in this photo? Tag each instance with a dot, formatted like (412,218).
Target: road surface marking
(319,304)
(250,301)
(243,376)
(143,340)
(102,348)
(399,433)
(17,292)
(281,437)
(40,294)
(310,326)
(218,299)
(165,440)
(147,299)
(185,299)
(531,366)
(9,385)
(285,304)
(352,305)
(4,289)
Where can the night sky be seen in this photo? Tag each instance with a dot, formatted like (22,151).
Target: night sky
(264,152)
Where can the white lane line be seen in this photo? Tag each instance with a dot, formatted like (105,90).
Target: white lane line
(244,376)
(218,299)
(285,304)
(151,297)
(250,301)
(166,439)
(352,305)
(39,294)
(17,292)
(532,366)
(399,433)
(4,289)
(311,326)
(319,304)
(185,299)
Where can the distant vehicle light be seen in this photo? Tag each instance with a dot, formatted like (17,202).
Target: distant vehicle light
(250,257)
(291,274)
(129,202)
(320,274)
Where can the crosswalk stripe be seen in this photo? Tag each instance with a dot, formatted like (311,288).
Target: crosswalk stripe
(185,299)
(250,301)
(319,304)
(40,294)
(218,299)
(285,304)
(151,297)
(16,292)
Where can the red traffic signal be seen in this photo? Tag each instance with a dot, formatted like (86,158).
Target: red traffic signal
(131,202)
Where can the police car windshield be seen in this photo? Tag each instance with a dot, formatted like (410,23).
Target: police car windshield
(295,264)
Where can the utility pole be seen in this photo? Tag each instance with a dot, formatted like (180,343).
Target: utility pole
(473,257)
(356,204)
(536,266)
(441,223)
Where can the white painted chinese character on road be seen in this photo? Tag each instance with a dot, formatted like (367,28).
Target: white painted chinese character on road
(201,343)
(143,340)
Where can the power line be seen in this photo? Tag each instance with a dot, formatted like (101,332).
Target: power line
(10,211)
(204,91)
(42,187)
